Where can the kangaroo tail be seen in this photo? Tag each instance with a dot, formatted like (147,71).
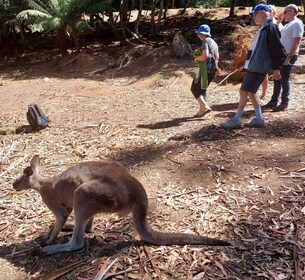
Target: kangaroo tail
(161,238)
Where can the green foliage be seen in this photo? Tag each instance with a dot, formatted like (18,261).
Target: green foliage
(48,15)
(10,8)
(62,16)
(203,3)
(226,3)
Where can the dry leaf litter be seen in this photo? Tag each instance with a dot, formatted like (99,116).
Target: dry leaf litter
(199,179)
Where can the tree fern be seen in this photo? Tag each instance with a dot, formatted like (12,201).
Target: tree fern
(40,5)
(60,15)
(30,16)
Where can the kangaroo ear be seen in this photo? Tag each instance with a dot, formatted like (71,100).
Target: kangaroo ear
(28,171)
(35,163)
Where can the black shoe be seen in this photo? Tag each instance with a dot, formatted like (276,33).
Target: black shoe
(281,107)
(269,105)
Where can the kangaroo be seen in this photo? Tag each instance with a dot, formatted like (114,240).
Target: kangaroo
(94,187)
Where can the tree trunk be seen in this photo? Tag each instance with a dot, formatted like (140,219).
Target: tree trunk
(166,9)
(173,4)
(21,31)
(185,7)
(123,19)
(75,39)
(232,7)
(113,26)
(152,19)
(124,11)
(62,41)
(138,20)
(159,16)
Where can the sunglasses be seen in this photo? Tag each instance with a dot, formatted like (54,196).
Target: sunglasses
(286,11)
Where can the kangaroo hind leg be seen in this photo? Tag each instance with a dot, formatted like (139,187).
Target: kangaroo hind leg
(69,226)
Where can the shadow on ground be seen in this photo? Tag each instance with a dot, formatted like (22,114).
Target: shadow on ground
(278,128)
(170,123)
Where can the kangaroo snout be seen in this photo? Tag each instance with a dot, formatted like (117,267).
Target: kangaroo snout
(16,186)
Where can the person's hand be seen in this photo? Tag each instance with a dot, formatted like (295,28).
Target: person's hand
(277,75)
(218,72)
(287,60)
(280,18)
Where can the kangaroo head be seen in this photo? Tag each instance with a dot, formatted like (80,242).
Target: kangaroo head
(27,179)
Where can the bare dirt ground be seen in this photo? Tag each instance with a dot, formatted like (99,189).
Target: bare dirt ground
(246,185)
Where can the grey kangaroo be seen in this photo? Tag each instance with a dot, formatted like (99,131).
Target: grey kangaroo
(93,187)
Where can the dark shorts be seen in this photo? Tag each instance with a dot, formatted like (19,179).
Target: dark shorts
(252,81)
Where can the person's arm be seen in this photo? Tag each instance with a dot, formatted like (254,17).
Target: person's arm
(204,54)
(295,46)
(218,70)
(275,48)
(279,19)
(276,74)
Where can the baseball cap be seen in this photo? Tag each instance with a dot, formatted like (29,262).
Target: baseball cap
(204,29)
(260,7)
(292,7)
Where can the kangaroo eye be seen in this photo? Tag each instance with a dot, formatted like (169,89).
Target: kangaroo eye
(28,171)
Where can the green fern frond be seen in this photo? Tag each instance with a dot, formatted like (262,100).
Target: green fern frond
(56,23)
(40,5)
(54,7)
(31,16)
(37,27)
(65,6)
(81,25)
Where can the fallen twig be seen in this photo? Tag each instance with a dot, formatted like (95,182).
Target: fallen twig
(173,160)
(136,36)
(225,78)
(293,175)
(110,276)
(12,166)
(185,193)
(97,71)
(295,255)
(220,266)
(62,271)
(153,262)
(11,146)
(102,273)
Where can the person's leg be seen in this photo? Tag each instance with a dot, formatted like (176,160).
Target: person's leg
(277,87)
(211,77)
(249,87)
(256,105)
(199,94)
(254,100)
(265,87)
(243,99)
(235,121)
(258,121)
(286,72)
(202,103)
